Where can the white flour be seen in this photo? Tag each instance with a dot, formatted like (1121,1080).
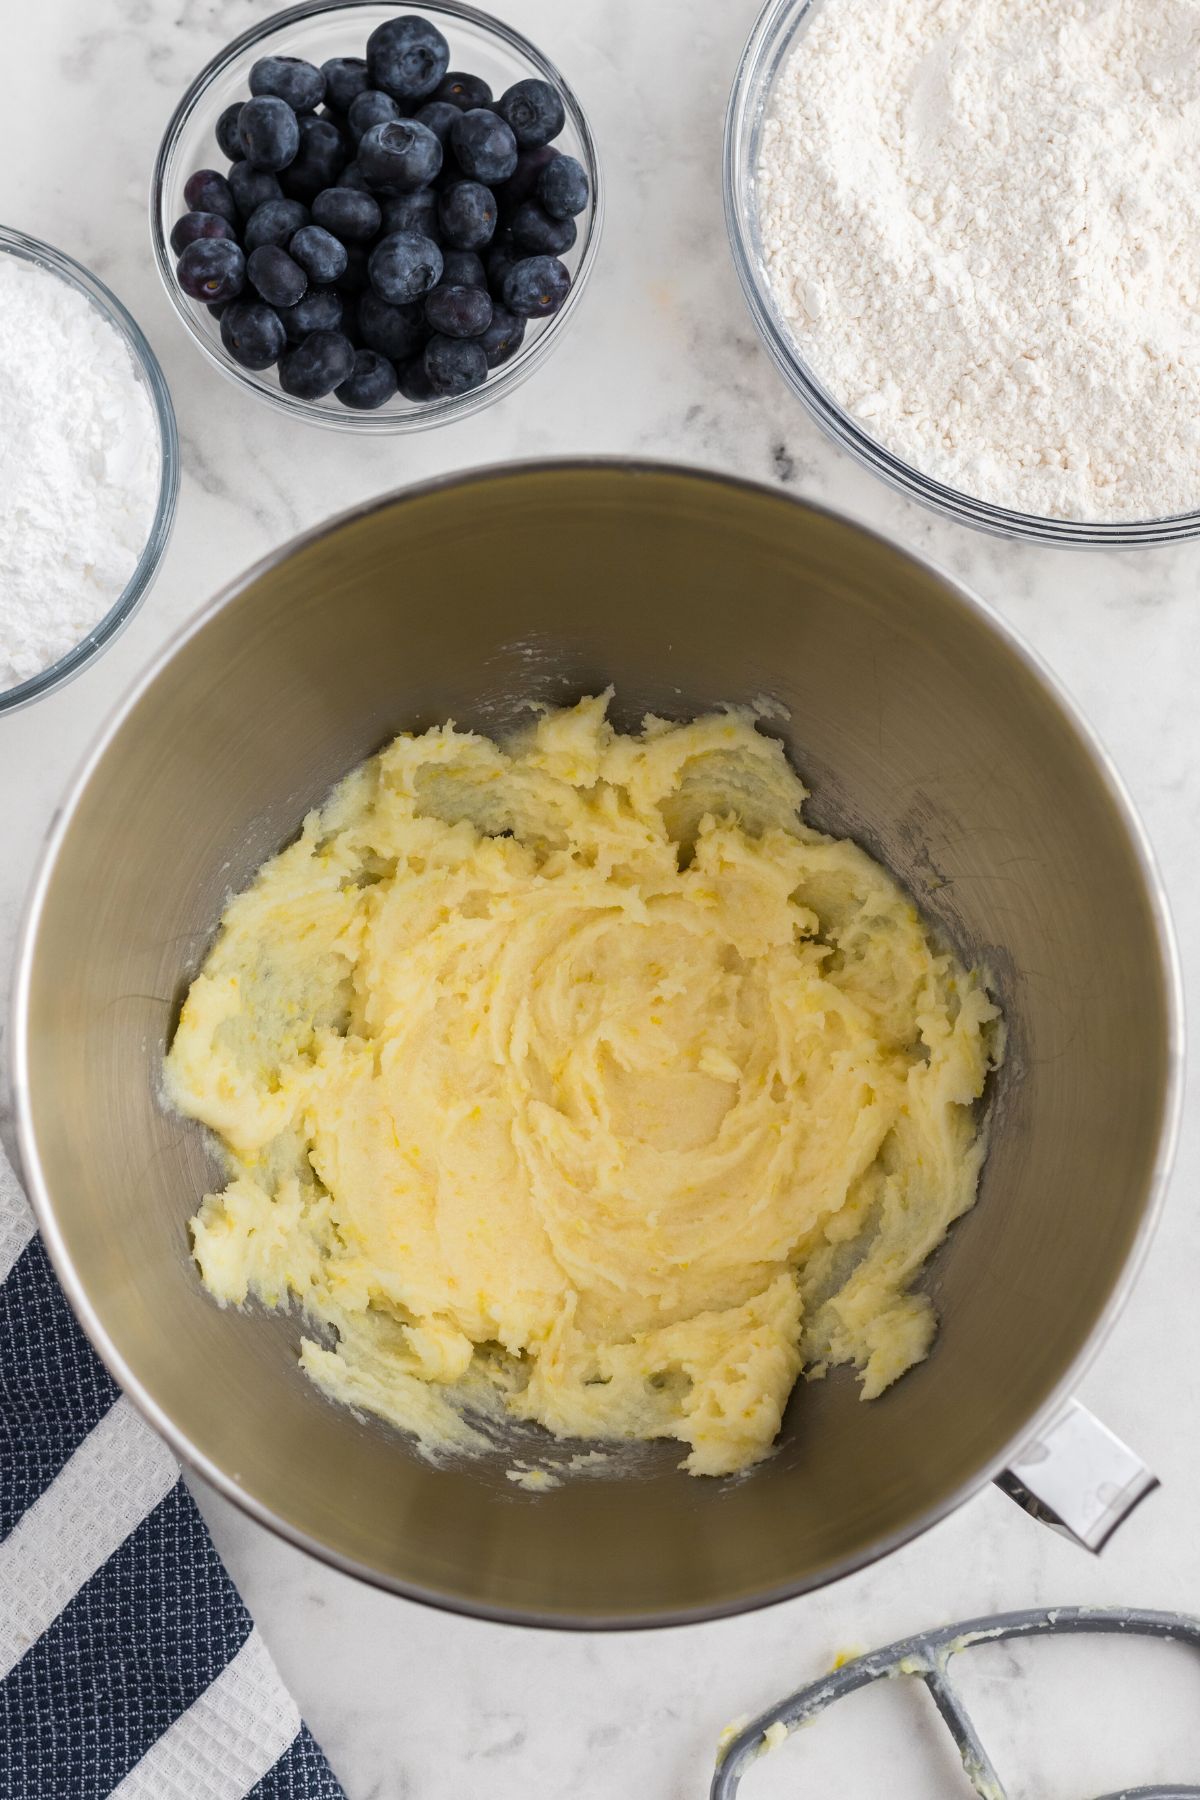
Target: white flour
(79,468)
(981,221)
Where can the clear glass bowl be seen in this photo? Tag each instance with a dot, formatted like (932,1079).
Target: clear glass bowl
(317,30)
(775,35)
(16,243)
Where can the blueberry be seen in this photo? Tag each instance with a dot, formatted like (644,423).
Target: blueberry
(269,133)
(437,116)
(291,79)
(212,269)
(275,222)
(467,215)
(563,187)
(319,254)
(404,265)
(399,156)
(206,191)
(318,162)
(412,212)
(536,287)
(537,234)
(397,332)
(345,79)
(322,309)
(253,335)
(370,384)
(502,338)
(407,57)
(195,225)
(277,276)
(463,91)
(356,275)
(353,177)
(252,188)
(370,108)
(347,214)
(502,257)
(454,365)
(413,381)
(522,184)
(460,312)
(321,362)
(228,141)
(534,111)
(484,145)
(462,268)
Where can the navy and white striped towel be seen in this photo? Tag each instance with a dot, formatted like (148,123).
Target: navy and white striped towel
(128,1664)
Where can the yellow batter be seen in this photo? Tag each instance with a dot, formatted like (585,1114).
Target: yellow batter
(579,1081)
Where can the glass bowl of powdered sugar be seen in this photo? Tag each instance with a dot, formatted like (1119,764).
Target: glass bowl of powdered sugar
(970,239)
(89,468)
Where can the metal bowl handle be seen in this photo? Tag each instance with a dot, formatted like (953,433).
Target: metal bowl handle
(1078,1477)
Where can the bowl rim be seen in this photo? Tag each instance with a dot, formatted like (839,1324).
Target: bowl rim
(772,40)
(226,1483)
(532,353)
(26,248)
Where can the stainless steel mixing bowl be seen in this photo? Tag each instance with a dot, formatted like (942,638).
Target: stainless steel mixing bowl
(923,729)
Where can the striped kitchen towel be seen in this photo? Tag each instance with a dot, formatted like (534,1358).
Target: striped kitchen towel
(128,1664)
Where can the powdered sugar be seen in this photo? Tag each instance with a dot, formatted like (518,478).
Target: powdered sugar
(981,222)
(79,468)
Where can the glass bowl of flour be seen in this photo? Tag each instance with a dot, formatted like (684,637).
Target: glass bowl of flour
(89,468)
(969,235)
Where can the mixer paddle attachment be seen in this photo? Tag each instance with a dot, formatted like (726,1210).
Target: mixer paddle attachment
(927,1657)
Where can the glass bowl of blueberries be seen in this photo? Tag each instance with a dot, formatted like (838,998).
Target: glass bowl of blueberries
(373,218)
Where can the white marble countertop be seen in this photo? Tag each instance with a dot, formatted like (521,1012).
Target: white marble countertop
(411,1704)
